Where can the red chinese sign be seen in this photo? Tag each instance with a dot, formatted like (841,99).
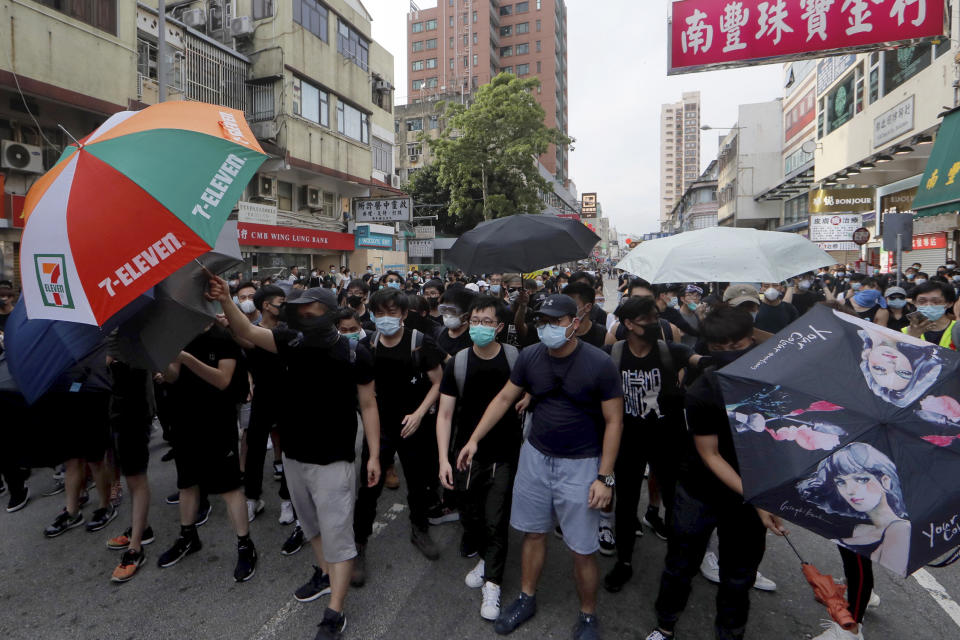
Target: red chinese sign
(799,116)
(731,33)
(930,241)
(272,236)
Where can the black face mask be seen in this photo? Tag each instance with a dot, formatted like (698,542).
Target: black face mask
(433,302)
(317,332)
(651,333)
(723,358)
(354,301)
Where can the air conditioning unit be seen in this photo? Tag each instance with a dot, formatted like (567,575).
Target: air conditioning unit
(395,181)
(21,157)
(241,27)
(382,85)
(264,186)
(195,18)
(414,157)
(310,197)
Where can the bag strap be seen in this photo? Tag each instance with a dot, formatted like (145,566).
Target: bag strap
(512,353)
(416,342)
(617,352)
(666,359)
(460,368)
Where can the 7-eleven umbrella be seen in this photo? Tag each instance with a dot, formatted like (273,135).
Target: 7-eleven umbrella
(134,201)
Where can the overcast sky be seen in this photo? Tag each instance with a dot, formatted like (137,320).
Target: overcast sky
(617,81)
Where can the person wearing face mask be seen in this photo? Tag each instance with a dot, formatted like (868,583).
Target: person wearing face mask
(356,301)
(668,304)
(588,331)
(933,300)
(709,494)
(348,326)
(640,288)
(774,314)
(519,331)
(868,302)
(597,314)
(689,304)
(898,308)
(432,292)
(319,446)
(566,466)
(455,335)
(407,370)
(471,381)
(802,293)
(244,300)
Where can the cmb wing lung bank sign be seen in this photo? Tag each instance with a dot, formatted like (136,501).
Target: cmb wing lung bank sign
(715,34)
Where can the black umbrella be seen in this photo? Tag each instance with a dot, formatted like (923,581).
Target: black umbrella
(521,243)
(850,430)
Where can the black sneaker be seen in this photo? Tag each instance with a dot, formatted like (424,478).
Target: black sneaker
(608,543)
(587,627)
(318,585)
(468,549)
(246,562)
(421,540)
(101,518)
(203,514)
(168,456)
(18,500)
(181,548)
(173,498)
(63,522)
(618,576)
(522,609)
(57,488)
(358,576)
(84,499)
(653,520)
(277,471)
(294,543)
(332,626)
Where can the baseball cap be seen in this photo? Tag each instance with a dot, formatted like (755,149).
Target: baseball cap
(737,294)
(481,283)
(892,290)
(558,305)
(324,296)
(473,287)
(692,288)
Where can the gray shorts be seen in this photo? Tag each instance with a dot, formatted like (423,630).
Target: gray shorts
(549,489)
(324,496)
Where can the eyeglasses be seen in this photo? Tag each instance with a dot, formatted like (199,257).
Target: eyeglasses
(487,322)
(449,310)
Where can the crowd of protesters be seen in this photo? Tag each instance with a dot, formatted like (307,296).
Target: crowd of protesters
(508,400)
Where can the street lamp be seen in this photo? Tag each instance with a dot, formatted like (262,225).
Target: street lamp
(736,166)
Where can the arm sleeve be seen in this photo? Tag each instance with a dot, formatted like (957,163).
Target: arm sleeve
(363,366)
(609,379)
(448,384)
(681,354)
(430,354)
(704,418)
(678,321)
(519,374)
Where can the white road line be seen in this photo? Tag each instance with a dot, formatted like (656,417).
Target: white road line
(272,627)
(938,593)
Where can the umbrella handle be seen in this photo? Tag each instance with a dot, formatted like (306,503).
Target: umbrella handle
(799,557)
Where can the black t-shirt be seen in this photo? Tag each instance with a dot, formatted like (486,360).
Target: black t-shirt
(401,386)
(3,320)
(452,346)
(598,315)
(772,318)
(706,415)
(804,300)
(596,335)
(197,399)
(651,396)
(484,380)
(321,427)
(269,374)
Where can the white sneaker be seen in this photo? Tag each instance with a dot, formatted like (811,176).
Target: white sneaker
(286,512)
(254,508)
(474,579)
(833,631)
(710,567)
(490,608)
(763,583)
(874,601)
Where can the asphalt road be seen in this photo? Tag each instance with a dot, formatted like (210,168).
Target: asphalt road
(59,589)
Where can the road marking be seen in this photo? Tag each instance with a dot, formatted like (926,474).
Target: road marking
(938,593)
(272,627)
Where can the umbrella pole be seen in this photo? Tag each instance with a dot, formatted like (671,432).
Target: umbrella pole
(70,135)
(799,557)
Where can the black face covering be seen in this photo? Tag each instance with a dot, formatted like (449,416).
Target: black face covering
(723,358)
(354,301)
(317,332)
(434,302)
(651,332)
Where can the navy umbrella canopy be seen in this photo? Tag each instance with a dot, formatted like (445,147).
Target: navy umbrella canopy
(521,243)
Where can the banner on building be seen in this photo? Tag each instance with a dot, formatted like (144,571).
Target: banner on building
(893,123)
(835,232)
(929,241)
(425,232)
(841,200)
(274,236)
(382,209)
(420,248)
(257,213)
(713,34)
(368,238)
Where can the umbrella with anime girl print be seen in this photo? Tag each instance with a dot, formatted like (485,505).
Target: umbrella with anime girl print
(850,430)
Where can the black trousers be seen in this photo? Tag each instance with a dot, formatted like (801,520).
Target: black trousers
(418,455)
(859,573)
(742,539)
(258,433)
(485,513)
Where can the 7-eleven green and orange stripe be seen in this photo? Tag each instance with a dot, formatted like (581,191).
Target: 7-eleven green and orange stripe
(137,199)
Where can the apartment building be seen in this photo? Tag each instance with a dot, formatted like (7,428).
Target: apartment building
(679,150)
(459,45)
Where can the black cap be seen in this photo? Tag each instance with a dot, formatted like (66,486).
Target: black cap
(558,305)
(316,294)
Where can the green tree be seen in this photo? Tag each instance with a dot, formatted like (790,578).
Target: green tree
(486,154)
(425,189)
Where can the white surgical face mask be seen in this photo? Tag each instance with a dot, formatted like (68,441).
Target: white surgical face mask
(247,306)
(771,294)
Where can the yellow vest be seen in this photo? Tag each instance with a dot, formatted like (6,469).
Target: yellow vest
(946,340)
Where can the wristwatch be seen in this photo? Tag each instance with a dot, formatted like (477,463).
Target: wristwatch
(609,481)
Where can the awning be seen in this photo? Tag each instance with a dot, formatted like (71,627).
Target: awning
(939,190)
(797,183)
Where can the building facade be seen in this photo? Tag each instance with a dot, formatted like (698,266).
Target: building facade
(679,149)
(459,45)
(697,208)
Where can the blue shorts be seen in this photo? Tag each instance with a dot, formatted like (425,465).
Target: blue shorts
(549,490)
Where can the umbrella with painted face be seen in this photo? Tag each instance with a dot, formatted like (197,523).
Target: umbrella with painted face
(131,203)
(842,426)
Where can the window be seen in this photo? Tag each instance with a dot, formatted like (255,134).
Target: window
(432,43)
(523,69)
(466,62)
(840,103)
(415,124)
(538,66)
(507,70)
(434,121)
(476,59)
(417,27)
(312,16)
(311,103)
(101,14)
(451,42)
(263,10)
(414,148)
(285,196)
(464,40)
(475,40)
(417,84)
(352,45)
(523,48)
(474,17)
(538,46)
(418,45)
(452,64)
(523,27)
(795,210)
(523,7)
(538,5)
(432,63)
(432,82)
(417,65)
(506,10)
(903,63)
(352,123)
(538,26)
(506,52)
(430,25)
(451,22)
(382,155)
(506,31)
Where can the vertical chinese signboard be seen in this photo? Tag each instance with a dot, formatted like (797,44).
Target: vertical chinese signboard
(707,34)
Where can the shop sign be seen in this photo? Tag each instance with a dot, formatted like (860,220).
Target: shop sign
(257,213)
(900,201)
(420,248)
(834,228)
(725,33)
(274,236)
(930,241)
(382,209)
(893,123)
(841,200)
(425,233)
(588,205)
(800,115)
(830,69)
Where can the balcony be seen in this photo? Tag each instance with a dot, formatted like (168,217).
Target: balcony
(261,100)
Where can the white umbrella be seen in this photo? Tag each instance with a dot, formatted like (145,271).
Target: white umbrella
(725,254)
